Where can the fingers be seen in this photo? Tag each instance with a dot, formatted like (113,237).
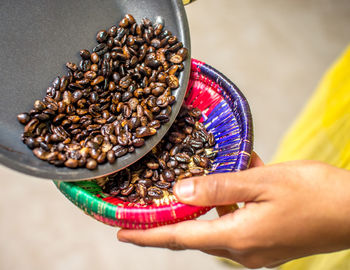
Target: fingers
(255,161)
(183,235)
(222,189)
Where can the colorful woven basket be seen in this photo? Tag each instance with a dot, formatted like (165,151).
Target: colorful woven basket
(226,114)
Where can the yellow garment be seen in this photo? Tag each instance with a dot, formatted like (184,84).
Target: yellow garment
(322,132)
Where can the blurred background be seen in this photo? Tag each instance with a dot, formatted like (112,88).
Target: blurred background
(275,52)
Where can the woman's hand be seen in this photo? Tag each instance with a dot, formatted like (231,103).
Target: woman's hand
(291,210)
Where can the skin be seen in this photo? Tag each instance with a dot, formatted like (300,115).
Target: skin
(292,210)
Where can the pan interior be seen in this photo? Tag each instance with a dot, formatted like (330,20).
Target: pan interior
(37,38)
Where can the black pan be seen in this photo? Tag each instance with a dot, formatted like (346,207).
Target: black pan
(37,37)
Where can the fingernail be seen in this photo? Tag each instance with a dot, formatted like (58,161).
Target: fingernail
(121,237)
(123,240)
(185,189)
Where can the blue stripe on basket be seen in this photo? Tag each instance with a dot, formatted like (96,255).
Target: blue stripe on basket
(243,118)
(223,124)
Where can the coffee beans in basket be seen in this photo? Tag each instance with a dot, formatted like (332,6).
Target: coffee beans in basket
(186,150)
(119,94)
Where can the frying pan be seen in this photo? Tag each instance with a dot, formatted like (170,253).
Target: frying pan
(37,37)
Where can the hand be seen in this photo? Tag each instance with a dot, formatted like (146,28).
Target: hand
(291,210)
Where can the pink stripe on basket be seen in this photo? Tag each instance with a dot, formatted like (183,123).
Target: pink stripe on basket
(131,213)
(155,214)
(162,218)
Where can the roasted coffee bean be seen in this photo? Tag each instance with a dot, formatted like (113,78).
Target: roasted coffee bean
(146,182)
(120,151)
(168,175)
(112,31)
(133,198)
(197,171)
(172,163)
(85,54)
(114,191)
(196,143)
(71,163)
(127,191)
(97,80)
(176,59)
(72,66)
(23,118)
(40,153)
(211,140)
(31,125)
(39,105)
(145,131)
(155,192)
(138,142)
(172,81)
(178,171)
(94,58)
(162,184)
(101,36)
(154,124)
(148,173)
(141,190)
(31,142)
(182,157)
(124,184)
(130,18)
(152,165)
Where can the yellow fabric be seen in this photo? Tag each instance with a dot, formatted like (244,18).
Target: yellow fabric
(322,133)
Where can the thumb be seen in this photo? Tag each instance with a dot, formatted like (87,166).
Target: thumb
(222,189)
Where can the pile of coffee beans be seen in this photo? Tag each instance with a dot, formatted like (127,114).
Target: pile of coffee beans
(186,150)
(108,103)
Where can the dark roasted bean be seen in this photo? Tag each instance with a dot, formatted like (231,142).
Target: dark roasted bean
(30,142)
(168,175)
(152,165)
(197,171)
(101,36)
(71,163)
(120,151)
(97,80)
(163,184)
(172,81)
(141,190)
(130,18)
(31,125)
(172,163)
(211,140)
(145,131)
(155,192)
(148,173)
(112,31)
(40,153)
(138,142)
(176,59)
(146,182)
(182,157)
(85,54)
(127,191)
(23,118)
(196,144)
(73,67)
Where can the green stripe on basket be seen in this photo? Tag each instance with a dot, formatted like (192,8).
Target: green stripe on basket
(89,203)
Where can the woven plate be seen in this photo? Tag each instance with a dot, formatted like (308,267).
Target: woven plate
(226,114)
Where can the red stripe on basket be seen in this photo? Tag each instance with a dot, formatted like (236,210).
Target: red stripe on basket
(203,93)
(136,223)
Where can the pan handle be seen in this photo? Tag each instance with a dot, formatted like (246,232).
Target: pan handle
(186,2)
